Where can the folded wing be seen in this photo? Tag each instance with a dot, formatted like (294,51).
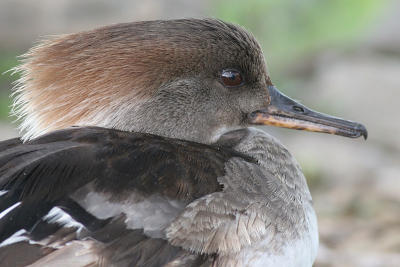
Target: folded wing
(42,182)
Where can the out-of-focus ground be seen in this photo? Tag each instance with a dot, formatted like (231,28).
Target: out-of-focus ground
(342,59)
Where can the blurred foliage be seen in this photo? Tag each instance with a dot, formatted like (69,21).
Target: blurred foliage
(5,103)
(313,173)
(289,30)
(8,60)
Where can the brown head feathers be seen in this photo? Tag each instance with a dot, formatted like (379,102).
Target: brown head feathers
(97,77)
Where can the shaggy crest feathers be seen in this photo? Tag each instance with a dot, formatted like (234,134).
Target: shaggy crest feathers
(94,77)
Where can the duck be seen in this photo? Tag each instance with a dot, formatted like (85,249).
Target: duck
(140,147)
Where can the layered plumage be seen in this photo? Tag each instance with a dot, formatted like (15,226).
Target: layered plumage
(212,199)
(162,170)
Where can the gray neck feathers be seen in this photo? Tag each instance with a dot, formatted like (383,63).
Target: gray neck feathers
(277,194)
(278,165)
(265,204)
(275,189)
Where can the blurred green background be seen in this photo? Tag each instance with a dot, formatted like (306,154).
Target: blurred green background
(340,57)
(292,30)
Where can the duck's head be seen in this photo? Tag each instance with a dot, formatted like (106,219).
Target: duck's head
(190,79)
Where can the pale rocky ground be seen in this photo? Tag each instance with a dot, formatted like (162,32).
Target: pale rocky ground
(355,184)
(357,194)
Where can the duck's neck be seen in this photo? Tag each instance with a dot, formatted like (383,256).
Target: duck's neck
(275,159)
(293,236)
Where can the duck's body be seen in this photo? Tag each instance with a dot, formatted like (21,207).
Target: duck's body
(149,195)
(262,216)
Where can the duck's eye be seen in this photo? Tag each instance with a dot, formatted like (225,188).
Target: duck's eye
(231,78)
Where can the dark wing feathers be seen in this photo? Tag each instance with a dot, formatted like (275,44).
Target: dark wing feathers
(46,171)
(42,173)
(24,216)
(30,253)
(9,143)
(49,169)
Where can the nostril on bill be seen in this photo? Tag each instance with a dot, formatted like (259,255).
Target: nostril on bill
(298,109)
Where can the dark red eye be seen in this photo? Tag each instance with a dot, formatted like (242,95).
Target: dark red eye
(231,78)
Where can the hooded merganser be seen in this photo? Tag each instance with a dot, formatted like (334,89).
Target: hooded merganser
(162,168)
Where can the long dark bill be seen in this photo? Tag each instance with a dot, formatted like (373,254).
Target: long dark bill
(285,112)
